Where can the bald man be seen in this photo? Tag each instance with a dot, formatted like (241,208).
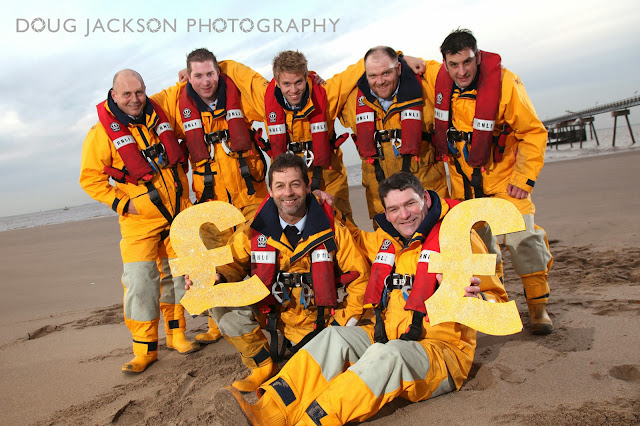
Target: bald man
(134,145)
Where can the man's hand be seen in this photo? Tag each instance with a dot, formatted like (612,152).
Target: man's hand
(182,75)
(416,64)
(131,209)
(316,78)
(471,291)
(516,192)
(323,197)
(188,283)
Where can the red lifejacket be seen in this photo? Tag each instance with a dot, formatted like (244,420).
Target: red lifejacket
(424,282)
(487,102)
(239,137)
(137,165)
(317,117)
(410,119)
(264,258)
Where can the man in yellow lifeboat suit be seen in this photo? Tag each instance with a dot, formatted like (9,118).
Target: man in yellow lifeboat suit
(299,116)
(302,276)
(347,374)
(134,144)
(488,130)
(392,118)
(207,114)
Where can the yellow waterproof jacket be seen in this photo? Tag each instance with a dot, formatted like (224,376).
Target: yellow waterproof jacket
(456,341)
(298,321)
(229,185)
(98,151)
(432,174)
(253,88)
(525,145)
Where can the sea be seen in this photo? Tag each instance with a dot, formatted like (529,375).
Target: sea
(590,148)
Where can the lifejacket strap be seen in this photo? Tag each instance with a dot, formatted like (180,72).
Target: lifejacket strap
(246,174)
(414,332)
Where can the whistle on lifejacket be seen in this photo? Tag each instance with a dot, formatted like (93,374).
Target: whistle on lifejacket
(397,144)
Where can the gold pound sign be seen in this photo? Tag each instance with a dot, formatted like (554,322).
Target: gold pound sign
(194,259)
(458,264)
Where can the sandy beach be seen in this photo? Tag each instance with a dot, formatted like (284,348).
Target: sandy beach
(63,339)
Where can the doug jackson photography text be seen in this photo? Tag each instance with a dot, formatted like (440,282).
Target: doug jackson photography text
(90,26)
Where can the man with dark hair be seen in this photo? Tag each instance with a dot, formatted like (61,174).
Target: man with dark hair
(392,119)
(488,131)
(207,113)
(303,254)
(299,116)
(348,374)
(134,144)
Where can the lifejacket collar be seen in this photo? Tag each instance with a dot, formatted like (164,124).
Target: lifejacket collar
(221,96)
(267,220)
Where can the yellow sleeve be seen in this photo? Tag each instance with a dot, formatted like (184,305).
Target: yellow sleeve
(429,87)
(517,111)
(169,101)
(490,286)
(240,245)
(350,259)
(252,86)
(97,153)
(341,85)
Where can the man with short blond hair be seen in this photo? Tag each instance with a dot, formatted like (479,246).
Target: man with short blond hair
(299,116)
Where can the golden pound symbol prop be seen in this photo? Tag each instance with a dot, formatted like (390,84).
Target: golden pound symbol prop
(458,264)
(194,259)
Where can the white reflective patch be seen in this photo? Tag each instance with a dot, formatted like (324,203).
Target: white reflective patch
(163,127)
(425,255)
(268,257)
(365,117)
(123,141)
(411,114)
(318,127)
(234,113)
(483,124)
(441,114)
(320,256)
(386,258)
(193,124)
(277,129)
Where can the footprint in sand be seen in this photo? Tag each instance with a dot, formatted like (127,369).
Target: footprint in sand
(43,331)
(625,372)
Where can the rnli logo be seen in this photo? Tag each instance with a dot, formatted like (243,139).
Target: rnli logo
(361,101)
(385,245)
(439,98)
(272,117)
(186,113)
(115,127)
(262,241)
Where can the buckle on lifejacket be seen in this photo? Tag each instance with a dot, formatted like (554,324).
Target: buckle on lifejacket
(455,135)
(156,151)
(398,281)
(293,279)
(279,292)
(306,295)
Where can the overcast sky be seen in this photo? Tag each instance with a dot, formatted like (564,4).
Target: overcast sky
(570,55)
